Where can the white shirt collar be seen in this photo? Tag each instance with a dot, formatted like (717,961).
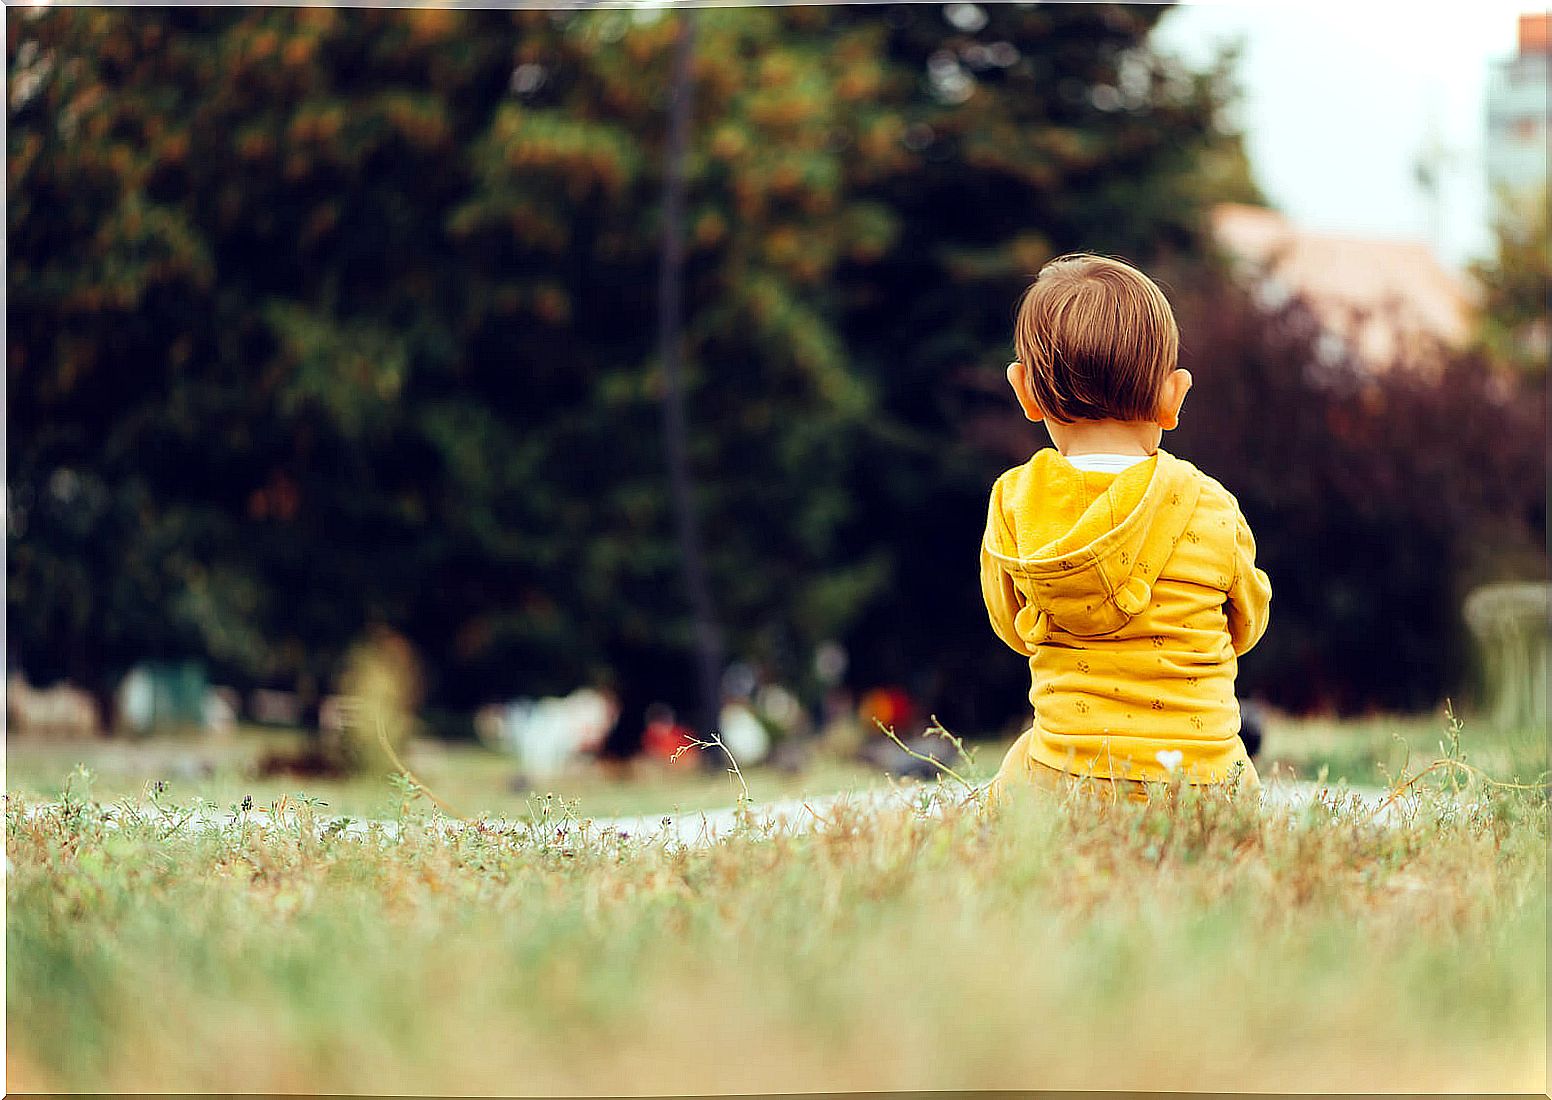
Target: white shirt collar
(1103,463)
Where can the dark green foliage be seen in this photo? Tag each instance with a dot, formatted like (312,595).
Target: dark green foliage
(224,246)
(324,318)
(1077,135)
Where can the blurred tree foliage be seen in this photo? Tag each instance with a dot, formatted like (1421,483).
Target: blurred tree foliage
(327,318)
(1033,130)
(1516,286)
(1379,497)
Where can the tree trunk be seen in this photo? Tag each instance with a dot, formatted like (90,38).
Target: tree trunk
(708,635)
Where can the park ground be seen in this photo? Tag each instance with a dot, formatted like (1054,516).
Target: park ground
(1209,946)
(1364,752)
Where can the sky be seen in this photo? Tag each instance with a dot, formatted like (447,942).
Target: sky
(1339,98)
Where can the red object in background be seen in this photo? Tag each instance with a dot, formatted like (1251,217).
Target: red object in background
(664,738)
(889,705)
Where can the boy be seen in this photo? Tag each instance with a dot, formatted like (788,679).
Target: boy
(1125,575)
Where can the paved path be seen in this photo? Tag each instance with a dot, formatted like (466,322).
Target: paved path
(801,815)
(705,827)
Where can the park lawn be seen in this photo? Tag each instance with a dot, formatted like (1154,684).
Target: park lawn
(472,779)
(1374,751)
(1210,947)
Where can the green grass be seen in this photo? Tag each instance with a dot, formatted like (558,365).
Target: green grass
(1209,947)
(1374,751)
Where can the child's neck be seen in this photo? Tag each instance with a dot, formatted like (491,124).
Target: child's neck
(1109,437)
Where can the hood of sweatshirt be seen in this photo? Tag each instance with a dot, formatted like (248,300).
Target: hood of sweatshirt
(1086,548)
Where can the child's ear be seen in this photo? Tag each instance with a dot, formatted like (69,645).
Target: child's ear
(1018,378)
(1173,395)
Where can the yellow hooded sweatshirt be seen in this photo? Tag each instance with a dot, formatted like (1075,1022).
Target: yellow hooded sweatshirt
(1132,595)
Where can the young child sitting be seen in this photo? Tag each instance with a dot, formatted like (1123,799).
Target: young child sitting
(1126,575)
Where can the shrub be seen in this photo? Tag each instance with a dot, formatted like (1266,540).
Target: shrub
(1379,494)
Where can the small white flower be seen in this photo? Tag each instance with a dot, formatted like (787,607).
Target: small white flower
(1170,758)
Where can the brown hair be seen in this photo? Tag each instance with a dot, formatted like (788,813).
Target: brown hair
(1098,338)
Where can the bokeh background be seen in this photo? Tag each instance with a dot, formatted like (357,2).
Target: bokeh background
(345,331)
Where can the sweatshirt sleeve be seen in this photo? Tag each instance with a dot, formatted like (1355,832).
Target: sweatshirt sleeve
(1249,594)
(1003,599)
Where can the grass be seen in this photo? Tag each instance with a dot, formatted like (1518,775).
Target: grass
(471,778)
(1375,750)
(1211,946)
(475,780)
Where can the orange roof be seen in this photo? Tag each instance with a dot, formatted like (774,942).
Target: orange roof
(1382,295)
(1534,36)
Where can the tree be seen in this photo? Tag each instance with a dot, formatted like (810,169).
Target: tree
(326,319)
(708,633)
(1516,287)
(772,407)
(216,290)
(1024,131)
(399,367)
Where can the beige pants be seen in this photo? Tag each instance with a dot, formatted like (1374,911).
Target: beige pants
(1020,770)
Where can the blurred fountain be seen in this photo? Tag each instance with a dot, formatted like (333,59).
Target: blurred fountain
(1510,625)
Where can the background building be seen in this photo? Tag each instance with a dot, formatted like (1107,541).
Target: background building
(1518,113)
(1385,298)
